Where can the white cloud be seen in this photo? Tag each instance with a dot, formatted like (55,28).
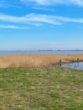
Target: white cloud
(12,27)
(38,19)
(32,19)
(66,19)
(54,2)
(42,8)
(8,3)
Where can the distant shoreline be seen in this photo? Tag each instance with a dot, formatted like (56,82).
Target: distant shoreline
(66,52)
(34,50)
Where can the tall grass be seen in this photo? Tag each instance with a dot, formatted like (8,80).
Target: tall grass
(35,60)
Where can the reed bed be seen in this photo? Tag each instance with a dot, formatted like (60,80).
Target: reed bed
(36,60)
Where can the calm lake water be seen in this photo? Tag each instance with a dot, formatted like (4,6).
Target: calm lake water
(43,52)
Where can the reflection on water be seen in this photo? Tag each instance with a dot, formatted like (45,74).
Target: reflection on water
(74,65)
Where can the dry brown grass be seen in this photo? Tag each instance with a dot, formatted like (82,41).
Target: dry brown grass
(35,60)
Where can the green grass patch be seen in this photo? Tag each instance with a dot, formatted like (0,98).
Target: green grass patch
(46,88)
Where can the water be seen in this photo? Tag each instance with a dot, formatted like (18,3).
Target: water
(43,52)
(74,65)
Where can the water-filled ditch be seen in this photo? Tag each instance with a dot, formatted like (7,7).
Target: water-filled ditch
(74,65)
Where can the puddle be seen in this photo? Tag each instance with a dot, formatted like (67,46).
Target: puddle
(74,65)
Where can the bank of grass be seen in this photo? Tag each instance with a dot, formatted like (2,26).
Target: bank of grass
(42,88)
(36,60)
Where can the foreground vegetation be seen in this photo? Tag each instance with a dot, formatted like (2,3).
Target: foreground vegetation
(27,60)
(43,88)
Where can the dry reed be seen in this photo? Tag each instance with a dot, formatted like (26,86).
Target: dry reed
(36,60)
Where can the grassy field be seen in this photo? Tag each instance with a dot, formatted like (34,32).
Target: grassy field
(35,60)
(41,88)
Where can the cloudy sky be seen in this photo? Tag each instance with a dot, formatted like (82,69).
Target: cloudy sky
(41,24)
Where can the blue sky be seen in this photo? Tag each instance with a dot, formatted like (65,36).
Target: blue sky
(41,24)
